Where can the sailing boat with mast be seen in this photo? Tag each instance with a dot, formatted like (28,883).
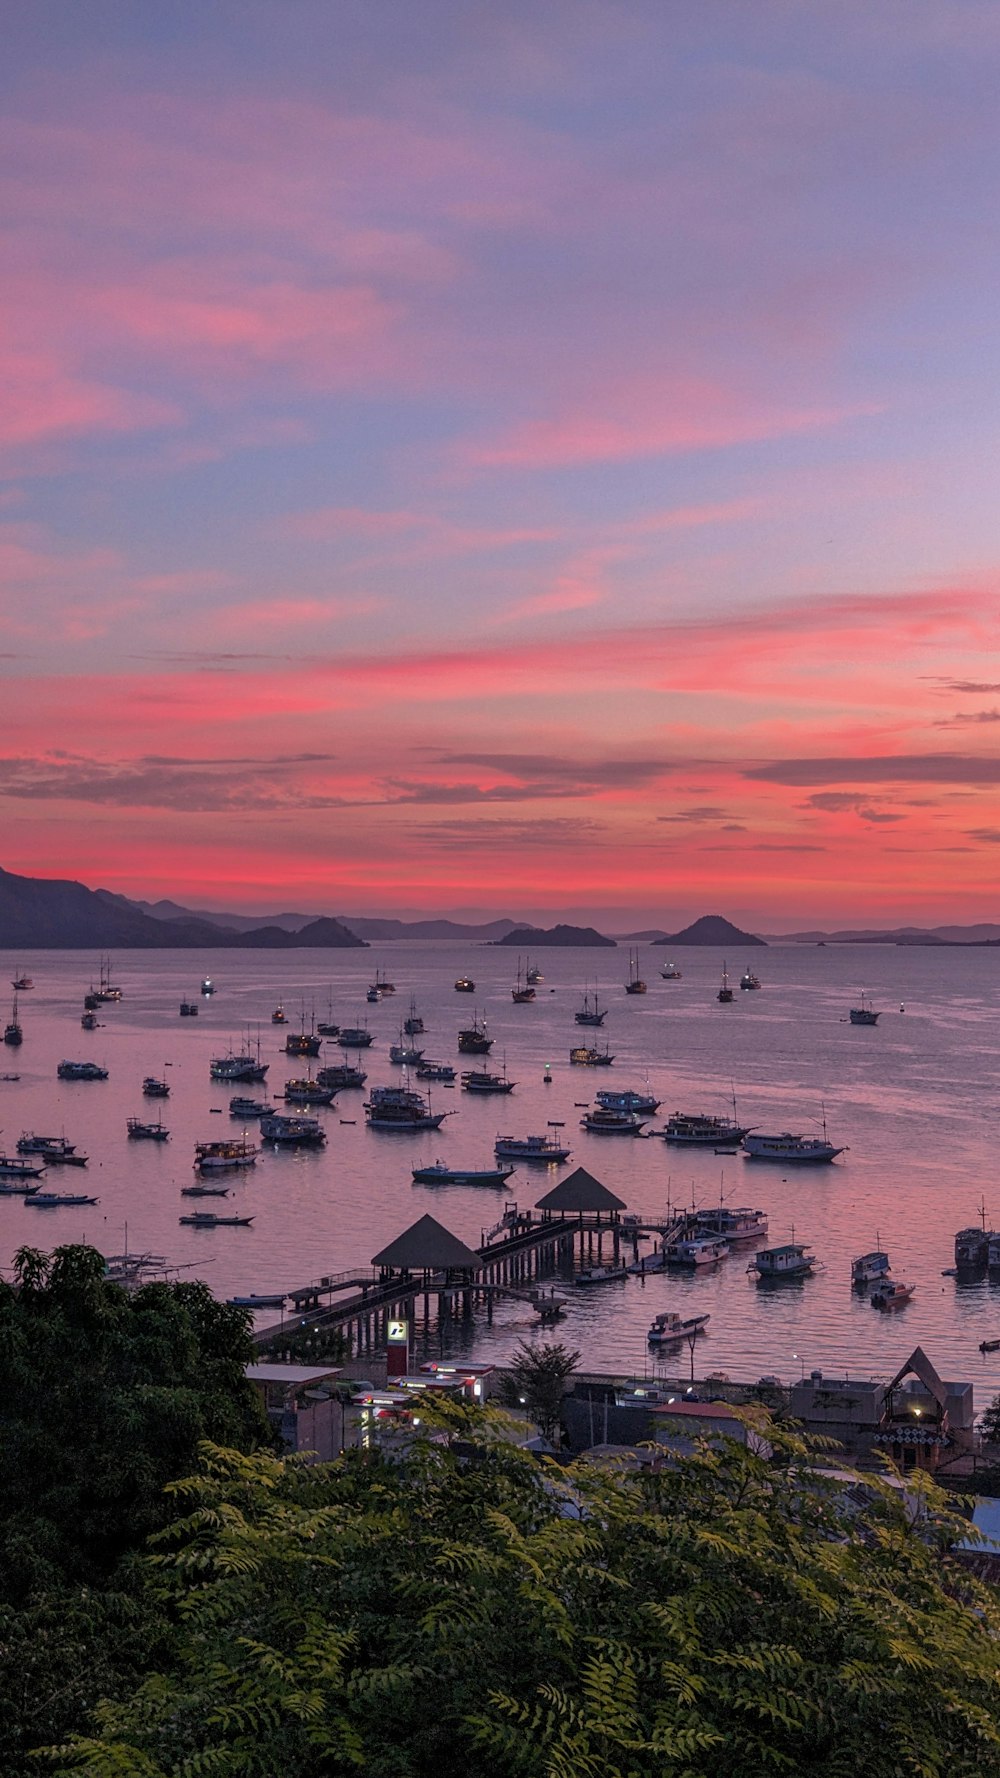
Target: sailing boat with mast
(524,993)
(591,1012)
(725,992)
(635,983)
(12,1031)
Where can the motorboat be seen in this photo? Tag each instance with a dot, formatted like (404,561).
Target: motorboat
(308,1092)
(543,1149)
(732,1224)
(635,983)
(790,1260)
(355,1037)
(288,1131)
(604,1121)
(863,1014)
(475,1040)
(138,1131)
(241,1107)
(155,1088)
(465,985)
(479,1080)
(204,1190)
(584,1055)
(600,1274)
(695,1130)
(22,984)
(671,973)
(208,1219)
(224,1156)
(400,1108)
(442,1071)
(189,1009)
(81,1071)
(439,1173)
(21,1167)
(696,1250)
(748,980)
(413,1024)
(58,1200)
(53,1150)
(591,1012)
(342,1076)
(617,1099)
(404,1054)
(870,1268)
(669,1327)
(791,1150)
(891,1294)
(725,993)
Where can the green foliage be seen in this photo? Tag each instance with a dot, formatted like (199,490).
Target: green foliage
(989,1424)
(536,1379)
(466,1610)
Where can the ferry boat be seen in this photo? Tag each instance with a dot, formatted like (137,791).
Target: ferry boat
(413,1024)
(601,1274)
(732,1224)
(243,1107)
(307,1092)
(355,1037)
(279,1016)
(591,1012)
(694,1130)
(139,1131)
(22,984)
(81,1071)
(154,1088)
(189,1009)
(479,1080)
(671,973)
(20,1167)
(583,1055)
(439,1173)
(220,1157)
(863,1014)
(725,993)
(207,1219)
(696,1250)
(891,1294)
(749,980)
(869,1268)
(789,1149)
(635,983)
(58,1200)
(288,1131)
(404,1054)
(13,1034)
(669,1327)
(54,1150)
(604,1120)
(625,1099)
(790,1260)
(543,1149)
(465,985)
(89,1021)
(442,1071)
(342,1076)
(239,1069)
(474,1040)
(400,1108)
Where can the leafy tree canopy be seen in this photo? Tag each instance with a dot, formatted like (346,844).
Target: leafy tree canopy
(465,1610)
(536,1380)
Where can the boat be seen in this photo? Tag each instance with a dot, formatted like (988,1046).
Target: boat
(869,1268)
(154,1088)
(863,1014)
(138,1131)
(971,1247)
(373,996)
(635,983)
(58,1200)
(208,986)
(413,1024)
(732,1224)
(695,1250)
(439,1173)
(608,1274)
(533,975)
(279,1016)
(19,1186)
(243,1107)
(341,1076)
(355,1037)
(725,993)
(276,1301)
(81,1071)
(591,1012)
(695,1130)
(671,973)
(618,1099)
(891,1294)
(106,993)
(749,980)
(208,1219)
(584,1055)
(790,1260)
(382,983)
(203,1190)
(442,1071)
(669,1327)
(218,1157)
(465,985)
(22,984)
(604,1120)
(303,1042)
(543,1149)
(790,1149)
(54,1150)
(14,1166)
(288,1131)
(307,1092)
(650,1262)
(328,1027)
(474,1040)
(993,1252)
(404,1054)
(479,1080)
(400,1108)
(524,993)
(89,1021)
(189,1009)
(13,1033)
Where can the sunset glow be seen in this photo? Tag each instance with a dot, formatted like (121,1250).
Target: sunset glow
(524,459)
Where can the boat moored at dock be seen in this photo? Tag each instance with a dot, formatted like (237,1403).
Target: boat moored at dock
(695,1250)
(731,1224)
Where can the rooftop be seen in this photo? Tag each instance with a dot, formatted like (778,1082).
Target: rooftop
(427,1246)
(580,1192)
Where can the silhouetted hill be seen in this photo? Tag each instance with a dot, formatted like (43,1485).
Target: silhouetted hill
(39,913)
(361,925)
(531,937)
(711,929)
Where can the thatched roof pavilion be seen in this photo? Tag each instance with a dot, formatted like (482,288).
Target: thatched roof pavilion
(580,1194)
(428,1247)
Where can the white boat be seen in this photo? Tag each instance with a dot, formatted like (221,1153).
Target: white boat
(670,1327)
(696,1250)
(790,1260)
(208,986)
(530,1148)
(790,1149)
(616,1100)
(732,1224)
(868,1268)
(891,1294)
(603,1121)
(600,1274)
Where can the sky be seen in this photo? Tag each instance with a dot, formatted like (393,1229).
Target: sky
(536,458)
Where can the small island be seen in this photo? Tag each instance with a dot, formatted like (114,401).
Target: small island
(530,938)
(711,929)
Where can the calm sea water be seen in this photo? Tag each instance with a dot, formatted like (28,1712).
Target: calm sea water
(915,1099)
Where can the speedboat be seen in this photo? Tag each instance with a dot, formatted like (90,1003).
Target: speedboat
(891,1294)
(669,1327)
(790,1260)
(604,1121)
(793,1150)
(399,1108)
(439,1173)
(530,1148)
(479,1080)
(869,1268)
(614,1099)
(749,980)
(696,1250)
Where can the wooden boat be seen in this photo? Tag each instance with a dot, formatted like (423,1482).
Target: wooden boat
(465,985)
(138,1131)
(725,993)
(439,1173)
(600,1274)
(591,1012)
(154,1088)
(863,1014)
(58,1200)
(891,1294)
(670,1327)
(635,983)
(207,1219)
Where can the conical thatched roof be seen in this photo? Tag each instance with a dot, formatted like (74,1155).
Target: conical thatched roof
(580,1192)
(428,1247)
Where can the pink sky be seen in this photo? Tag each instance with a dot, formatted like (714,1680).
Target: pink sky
(520,458)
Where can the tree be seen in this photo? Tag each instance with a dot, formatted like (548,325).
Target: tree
(536,1381)
(989,1424)
(467,1609)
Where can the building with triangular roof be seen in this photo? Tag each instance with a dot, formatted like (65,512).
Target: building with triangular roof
(427,1248)
(580,1194)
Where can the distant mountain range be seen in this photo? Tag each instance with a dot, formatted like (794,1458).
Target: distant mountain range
(365,926)
(530,938)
